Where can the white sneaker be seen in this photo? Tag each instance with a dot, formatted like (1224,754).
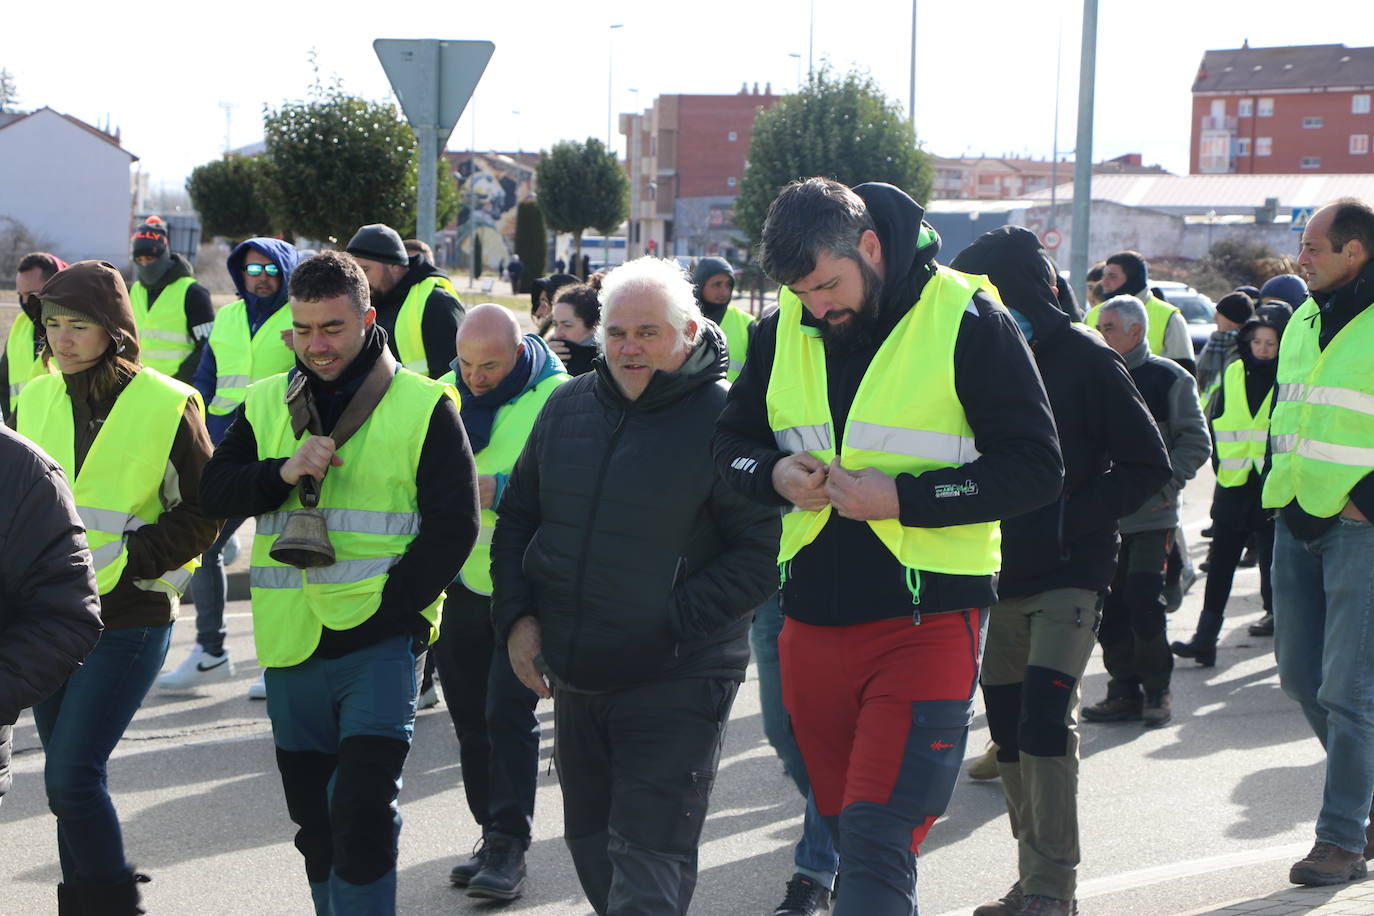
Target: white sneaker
(258,689)
(428,699)
(200,668)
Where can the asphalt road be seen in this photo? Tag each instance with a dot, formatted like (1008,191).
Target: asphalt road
(1210,809)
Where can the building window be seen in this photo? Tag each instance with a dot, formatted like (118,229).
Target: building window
(1264,146)
(1266,108)
(1243,146)
(1359,104)
(731,182)
(1245,108)
(732,136)
(1311,162)
(1312,123)
(1359,144)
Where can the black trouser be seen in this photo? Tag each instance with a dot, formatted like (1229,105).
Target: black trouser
(493,716)
(1224,555)
(1135,646)
(636,766)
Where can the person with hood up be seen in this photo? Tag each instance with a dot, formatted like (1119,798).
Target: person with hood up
(625,571)
(1057,563)
(249,342)
(416,303)
(173,312)
(1240,414)
(1127,273)
(896,406)
(503,381)
(21,360)
(713,283)
(122,432)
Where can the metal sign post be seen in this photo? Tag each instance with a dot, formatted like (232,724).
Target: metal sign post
(434,80)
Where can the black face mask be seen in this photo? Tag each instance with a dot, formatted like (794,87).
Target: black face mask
(150,274)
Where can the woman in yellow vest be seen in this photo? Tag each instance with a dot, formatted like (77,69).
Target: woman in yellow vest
(1240,432)
(133,443)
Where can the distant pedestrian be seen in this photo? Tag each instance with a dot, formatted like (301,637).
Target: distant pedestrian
(586,266)
(173,312)
(559,265)
(515,270)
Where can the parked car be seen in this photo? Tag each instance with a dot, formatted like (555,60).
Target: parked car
(1198,310)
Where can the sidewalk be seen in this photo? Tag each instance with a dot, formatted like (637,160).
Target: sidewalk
(1342,900)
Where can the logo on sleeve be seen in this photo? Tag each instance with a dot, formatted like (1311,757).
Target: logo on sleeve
(948,490)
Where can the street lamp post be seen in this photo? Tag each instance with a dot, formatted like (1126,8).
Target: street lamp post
(610,64)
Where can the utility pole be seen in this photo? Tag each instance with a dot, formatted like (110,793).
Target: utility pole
(1083,154)
(913,71)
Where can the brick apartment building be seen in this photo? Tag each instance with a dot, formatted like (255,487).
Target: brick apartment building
(1011,178)
(686,158)
(1283,110)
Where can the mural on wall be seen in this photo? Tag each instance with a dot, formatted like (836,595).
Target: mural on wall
(490,185)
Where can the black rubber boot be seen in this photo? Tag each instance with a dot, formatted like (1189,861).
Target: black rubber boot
(121,899)
(1203,646)
(69,901)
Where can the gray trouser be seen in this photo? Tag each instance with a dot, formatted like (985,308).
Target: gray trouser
(1037,649)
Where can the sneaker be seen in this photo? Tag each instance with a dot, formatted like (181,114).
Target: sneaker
(428,699)
(1328,863)
(1007,905)
(1114,709)
(258,689)
(199,668)
(1157,709)
(463,873)
(1040,905)
(985,766)
(1369,837)
(504,874)
(804,897)
(1264,626)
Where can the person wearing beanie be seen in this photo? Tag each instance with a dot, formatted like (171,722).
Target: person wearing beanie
(249,342)
(713,282)
(21,361)
(1239,423)
(1232,311)
(417,306)
(1057,564)
(1127,273)
(1285,289)
(121,431)
(173,312)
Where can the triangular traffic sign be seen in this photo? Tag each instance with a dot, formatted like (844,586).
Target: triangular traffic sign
(433,78)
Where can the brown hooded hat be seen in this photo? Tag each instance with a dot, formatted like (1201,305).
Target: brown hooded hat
(96,289)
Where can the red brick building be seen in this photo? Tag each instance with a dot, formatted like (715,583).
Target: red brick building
(686,158)
(1283,110)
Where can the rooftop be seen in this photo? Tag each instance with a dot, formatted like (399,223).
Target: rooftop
(1300,67)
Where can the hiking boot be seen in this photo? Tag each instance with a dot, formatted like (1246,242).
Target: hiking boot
(1007,905)
(804,897)
(1040,905)
(1328,863)
(1114,709)
(984,767)
(1264,626)
(1157,709)
(198,670)
(504,874)
(463,873)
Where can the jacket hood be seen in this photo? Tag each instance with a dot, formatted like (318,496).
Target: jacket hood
(706,364)
(1137,273)
(283,254)
(97,289)
(1015,261)
(706,269)
(909,244)
(546,363)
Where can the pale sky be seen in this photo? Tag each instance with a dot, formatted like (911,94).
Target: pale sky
(985,71)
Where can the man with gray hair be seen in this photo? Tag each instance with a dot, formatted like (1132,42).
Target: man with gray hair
(1135,646)
(624,574)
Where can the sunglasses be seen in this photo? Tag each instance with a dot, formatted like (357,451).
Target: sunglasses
(257,270)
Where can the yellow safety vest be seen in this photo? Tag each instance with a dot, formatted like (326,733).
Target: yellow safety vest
(369,504)
(21,355)
(1157,315)
(410,342)
(735,324)
(1322,431)
(120,487)
(242,357)
(1240,435)
(163,340)
(888,428)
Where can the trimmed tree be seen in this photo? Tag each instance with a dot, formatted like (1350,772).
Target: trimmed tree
(232,196)
(581,187)
(531,242)
(837,127)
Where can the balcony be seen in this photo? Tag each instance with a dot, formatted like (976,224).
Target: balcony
(1210,122)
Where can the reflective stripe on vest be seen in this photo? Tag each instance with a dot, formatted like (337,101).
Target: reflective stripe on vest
(509,431)
(1157,315)
(888,429)
(127,480)
(1322,432)
(735,325)
(369,503)
(163,339)
(1240,435)
(243,357)
(410,342)
(21,354)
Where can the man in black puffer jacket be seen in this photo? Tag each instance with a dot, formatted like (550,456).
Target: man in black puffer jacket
(624,572)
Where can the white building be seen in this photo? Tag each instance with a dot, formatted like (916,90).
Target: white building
(68,183)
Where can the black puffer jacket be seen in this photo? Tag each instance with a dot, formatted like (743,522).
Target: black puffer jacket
(617,533)
(49,607)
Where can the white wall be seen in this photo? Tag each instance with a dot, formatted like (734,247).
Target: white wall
(67,186)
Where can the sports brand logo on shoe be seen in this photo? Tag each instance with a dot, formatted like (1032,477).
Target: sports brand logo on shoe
(948,490)
(1060,683)
(938,745)
(201,666)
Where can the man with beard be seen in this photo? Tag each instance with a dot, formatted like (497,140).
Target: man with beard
(892,405)
(173,312)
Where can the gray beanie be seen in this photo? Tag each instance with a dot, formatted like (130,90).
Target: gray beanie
(378,242)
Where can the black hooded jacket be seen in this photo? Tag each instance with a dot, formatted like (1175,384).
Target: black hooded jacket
(200,313)
(847,575)
(616,532)
(438,325)
(1114,458)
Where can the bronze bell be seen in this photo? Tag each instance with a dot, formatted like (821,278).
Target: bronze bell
(304,541)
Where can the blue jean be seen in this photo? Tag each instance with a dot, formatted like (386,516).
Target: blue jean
(79,726)
(210,591)
(815,855)
(1324,643)
(343,727)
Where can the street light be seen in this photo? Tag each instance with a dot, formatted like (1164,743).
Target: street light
(610,63)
